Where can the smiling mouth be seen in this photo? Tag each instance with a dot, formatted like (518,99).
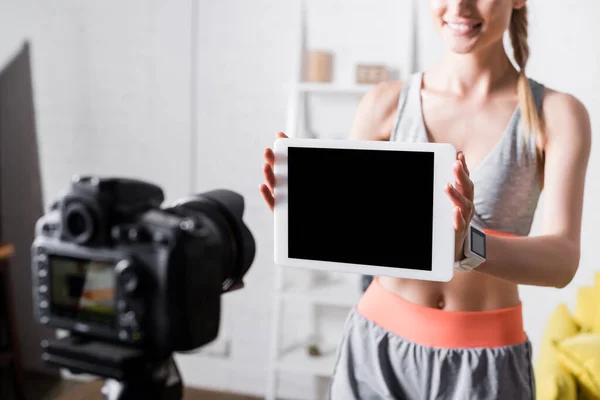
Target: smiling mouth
(462,29)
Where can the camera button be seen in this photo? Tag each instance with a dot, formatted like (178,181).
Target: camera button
(133,234)
(116,233)
(43,289)
(128,319)
(122,305)
(43,304)
(42,273)
(131,283)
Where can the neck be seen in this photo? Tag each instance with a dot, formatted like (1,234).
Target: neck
(477,73)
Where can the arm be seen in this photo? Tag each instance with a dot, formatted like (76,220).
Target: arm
(552,258)
(374,117)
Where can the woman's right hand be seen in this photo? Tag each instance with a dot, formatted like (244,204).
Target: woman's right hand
(267,189)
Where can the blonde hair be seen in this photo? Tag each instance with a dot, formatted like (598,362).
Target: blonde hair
(532,121)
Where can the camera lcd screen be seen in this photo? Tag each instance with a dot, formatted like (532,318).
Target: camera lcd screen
(83,290)
(361,206)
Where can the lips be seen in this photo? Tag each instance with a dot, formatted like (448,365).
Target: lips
(462,28)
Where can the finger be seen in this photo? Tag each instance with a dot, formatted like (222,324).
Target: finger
(269,177)
(267,196)
(459,220)
(460,200)
(269,156)
(463,160)
(463,180)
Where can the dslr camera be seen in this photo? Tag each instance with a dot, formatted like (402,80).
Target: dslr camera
(133,281)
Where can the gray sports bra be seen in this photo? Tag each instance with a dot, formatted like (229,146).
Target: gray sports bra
(506,182)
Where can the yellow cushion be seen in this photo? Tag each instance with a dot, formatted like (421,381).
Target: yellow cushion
(560,325)
(596,326)
(553,382)
(580,355)
(586,307)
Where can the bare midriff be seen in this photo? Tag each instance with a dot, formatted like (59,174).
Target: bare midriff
(467,291)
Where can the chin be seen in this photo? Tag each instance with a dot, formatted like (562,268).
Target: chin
(460,49)
(461,46)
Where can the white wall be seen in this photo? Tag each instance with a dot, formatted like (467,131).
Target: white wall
(112,82)
(113,90)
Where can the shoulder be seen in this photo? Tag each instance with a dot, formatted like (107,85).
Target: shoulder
(383,93)
(561,106)
(565,118)
(375,110)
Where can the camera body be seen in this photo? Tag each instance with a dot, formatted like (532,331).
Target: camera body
(110,264)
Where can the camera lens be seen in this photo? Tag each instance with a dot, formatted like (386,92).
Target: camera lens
(241,242)
(78,223)
(230,239)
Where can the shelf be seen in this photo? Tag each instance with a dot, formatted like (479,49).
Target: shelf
(342,293)
(296,360)
(310,87)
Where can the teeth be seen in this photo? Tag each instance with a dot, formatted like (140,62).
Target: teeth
(459,27)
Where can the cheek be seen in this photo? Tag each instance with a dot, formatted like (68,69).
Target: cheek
(497,14)
(438,8)
(437,4)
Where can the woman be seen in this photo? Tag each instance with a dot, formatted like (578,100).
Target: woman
(464,339)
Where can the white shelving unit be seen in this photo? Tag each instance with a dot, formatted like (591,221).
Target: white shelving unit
(295,360)
(310,87)
(340,293)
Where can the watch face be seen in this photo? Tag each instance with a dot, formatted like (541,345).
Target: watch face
(478,242)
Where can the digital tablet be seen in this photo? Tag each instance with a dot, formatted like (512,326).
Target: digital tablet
(368,207)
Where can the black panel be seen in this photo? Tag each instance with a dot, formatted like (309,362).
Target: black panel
(370,207)
(21,197)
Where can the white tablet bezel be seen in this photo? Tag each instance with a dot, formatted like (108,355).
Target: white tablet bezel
(443,228)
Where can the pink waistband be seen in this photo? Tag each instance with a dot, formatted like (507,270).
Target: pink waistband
(438,328)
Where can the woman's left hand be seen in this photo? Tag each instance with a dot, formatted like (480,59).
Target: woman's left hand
(461,194)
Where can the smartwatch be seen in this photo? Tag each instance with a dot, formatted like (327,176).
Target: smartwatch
(474,249)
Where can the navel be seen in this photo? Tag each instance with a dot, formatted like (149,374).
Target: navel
(441,303)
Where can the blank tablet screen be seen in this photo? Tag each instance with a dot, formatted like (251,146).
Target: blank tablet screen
(371,207)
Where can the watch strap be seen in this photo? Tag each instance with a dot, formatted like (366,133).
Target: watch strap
(467,264)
